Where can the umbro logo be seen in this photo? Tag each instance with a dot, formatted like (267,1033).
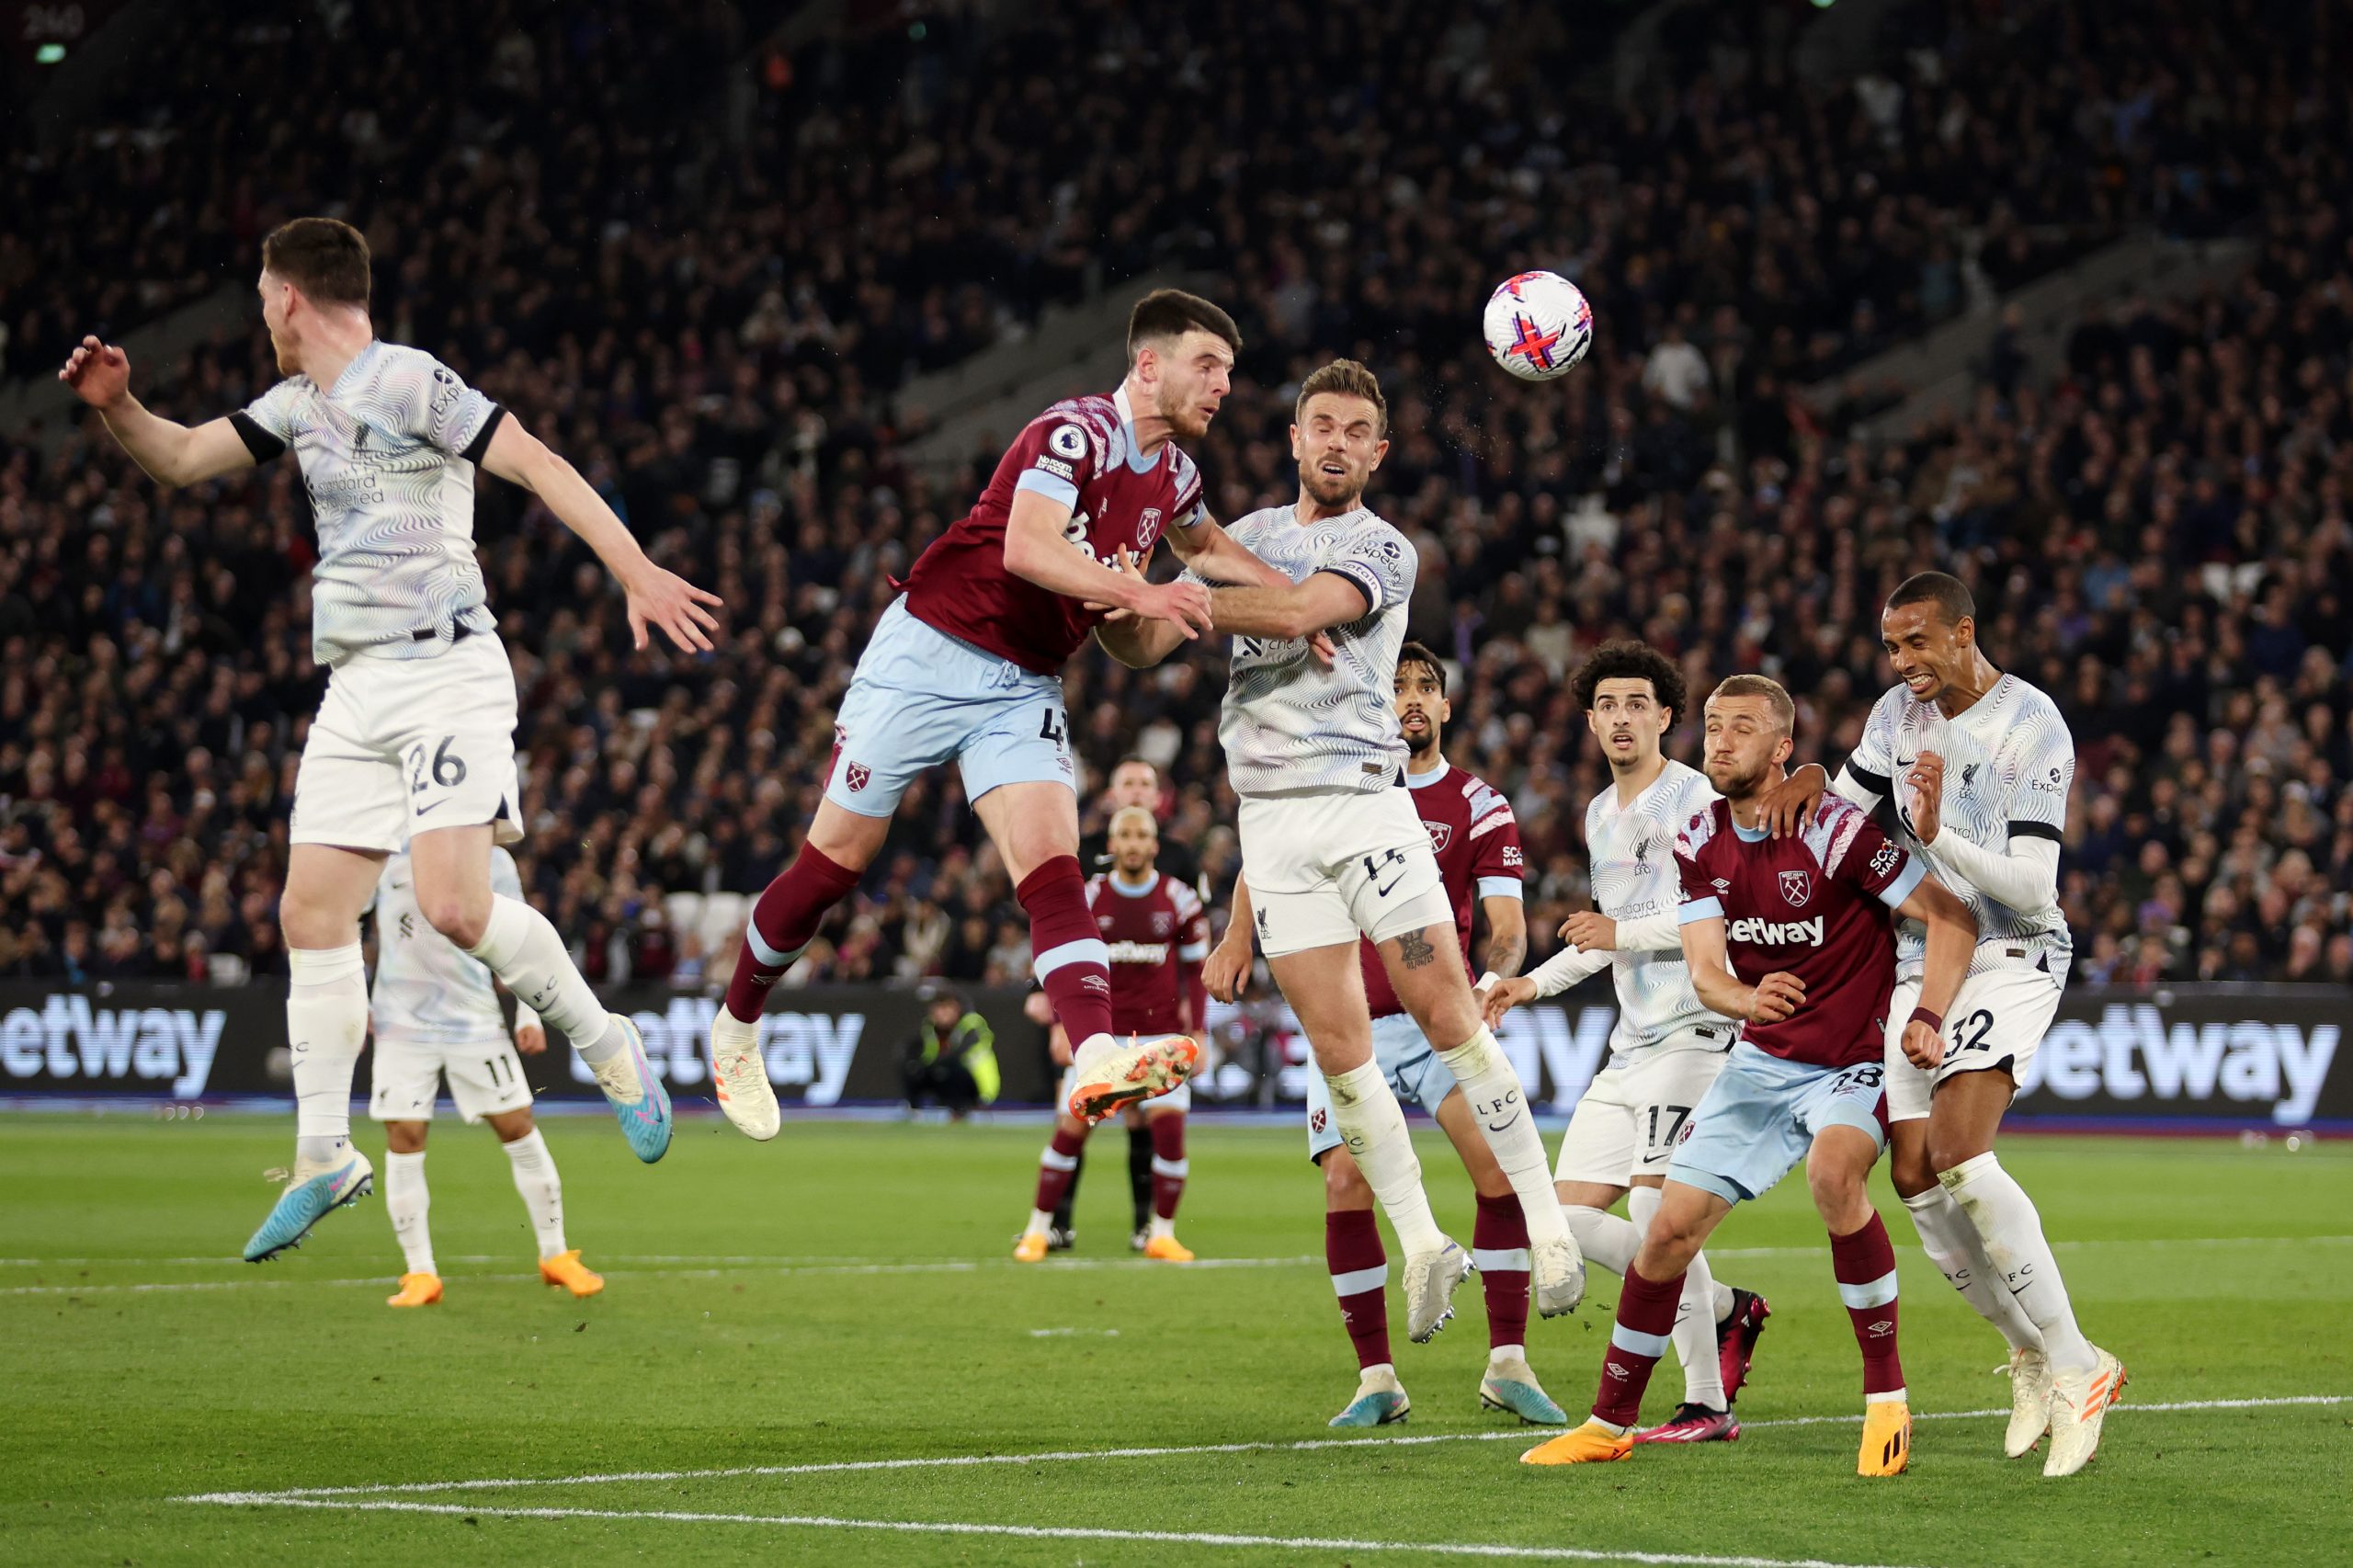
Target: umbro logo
(1722,886)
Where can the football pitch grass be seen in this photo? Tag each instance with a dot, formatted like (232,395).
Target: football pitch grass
(819,1350)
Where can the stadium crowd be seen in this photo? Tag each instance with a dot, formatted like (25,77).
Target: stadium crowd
(2159,534)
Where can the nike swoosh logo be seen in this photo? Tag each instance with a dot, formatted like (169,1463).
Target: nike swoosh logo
(435,806)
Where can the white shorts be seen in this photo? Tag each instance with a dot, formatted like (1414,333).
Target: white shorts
(1324,869)
(403,746)
(1627,1122)
(1178,1098)
(1998,1020)
(485,1079)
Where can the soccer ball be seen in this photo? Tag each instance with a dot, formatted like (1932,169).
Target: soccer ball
(1539,325)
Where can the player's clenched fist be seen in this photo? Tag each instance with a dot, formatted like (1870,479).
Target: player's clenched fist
(99,373)
(1924,1046)
(1776,997)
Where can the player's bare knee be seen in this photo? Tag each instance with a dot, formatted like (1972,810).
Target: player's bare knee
(1943,1151)
(1344,1185)
(511,1125)
(461,914)
(1912,1168)
(404,1137)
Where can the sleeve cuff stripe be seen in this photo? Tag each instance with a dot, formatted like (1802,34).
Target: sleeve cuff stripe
(1698,910)
(258,441)
(1907,880)
(1057,490)
(1501,887)
(2038,830)
(481,443)
(1877,783)
(1361,580)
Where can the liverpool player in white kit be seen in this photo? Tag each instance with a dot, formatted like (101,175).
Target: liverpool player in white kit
(1476,840)
(435,1014)
(1666,1047)
(1980,765)
(413,745)
(1332,848)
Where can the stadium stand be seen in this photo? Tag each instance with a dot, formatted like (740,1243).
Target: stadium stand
(2159,535)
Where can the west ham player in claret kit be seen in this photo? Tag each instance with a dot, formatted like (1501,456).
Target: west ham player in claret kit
(1332,848)
(1665,1047)
(1158,935)
(1980,765)
(1794,937)
(1476,839)
(413,746)
(1135,781)
(966,664)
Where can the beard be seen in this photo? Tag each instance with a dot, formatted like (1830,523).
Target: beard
(1327,490)
(1188,423)
(1737,785)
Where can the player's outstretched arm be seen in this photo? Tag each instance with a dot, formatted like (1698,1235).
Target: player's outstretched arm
(1212,553)
(1037,551)
(170,452)
(1952,939)
(1506,934)
(1130,638)
(1326,599)
(656,597)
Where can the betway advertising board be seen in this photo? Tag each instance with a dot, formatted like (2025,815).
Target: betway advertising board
(2253,1056)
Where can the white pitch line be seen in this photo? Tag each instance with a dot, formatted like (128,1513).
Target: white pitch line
(961,1461)
(1078,1532)
(937,1265)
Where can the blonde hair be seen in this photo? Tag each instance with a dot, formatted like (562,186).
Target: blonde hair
(1124,813)
(1349,379)
(1785,712)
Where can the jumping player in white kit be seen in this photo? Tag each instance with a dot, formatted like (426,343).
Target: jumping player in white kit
(1979,763)
(1666,1047)
(1332,848)
(435,1012)
(413,746)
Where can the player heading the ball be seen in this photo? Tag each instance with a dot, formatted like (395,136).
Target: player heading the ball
(966,665)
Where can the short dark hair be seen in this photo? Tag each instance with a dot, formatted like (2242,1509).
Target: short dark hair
(1347,379)
(324,257)
(1171,313)
(1419,653)
(1626,659)
(1948,592)
(1766,687)
(1138,760)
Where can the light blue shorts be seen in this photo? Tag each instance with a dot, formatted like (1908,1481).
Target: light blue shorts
(921,696)
(1416,1076)
(1762,1114)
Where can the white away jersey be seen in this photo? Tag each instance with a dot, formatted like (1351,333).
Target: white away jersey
(428,990)
(1631,853)
(2009,765)
(1290,726)
(388,455)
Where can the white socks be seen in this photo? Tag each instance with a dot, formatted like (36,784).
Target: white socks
(408,1202)
(1695,1315)
(1952,1243)
(2006,1218)
(1604,1238)
(326,1024)
(1040,1222)
(1373,1126)
(1483,1074)
(524,950)
(542,1189)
